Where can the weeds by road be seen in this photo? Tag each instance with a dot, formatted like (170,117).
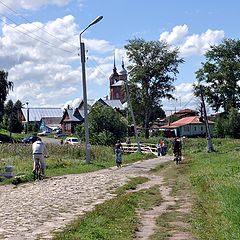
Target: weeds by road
(64,159)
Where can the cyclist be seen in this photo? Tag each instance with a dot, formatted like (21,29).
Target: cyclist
(177,147)
(39,152)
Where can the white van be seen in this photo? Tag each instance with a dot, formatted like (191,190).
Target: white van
(71,140)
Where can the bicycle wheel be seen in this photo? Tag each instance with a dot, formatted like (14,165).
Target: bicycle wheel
(37,171)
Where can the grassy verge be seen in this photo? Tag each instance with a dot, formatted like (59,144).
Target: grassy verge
(215,179)
(175,177)
(64,159)
(114,219)
(210,181)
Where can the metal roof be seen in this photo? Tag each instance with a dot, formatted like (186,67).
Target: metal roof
(116,103)
(36,114)
(185,121)
(118,83)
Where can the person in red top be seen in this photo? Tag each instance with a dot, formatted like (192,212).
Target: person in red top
(163,148)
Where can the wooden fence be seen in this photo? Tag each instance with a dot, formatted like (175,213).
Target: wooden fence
(145,148)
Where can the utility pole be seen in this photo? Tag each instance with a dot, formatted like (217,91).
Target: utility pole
(209,140)
(27,116)
(132,114)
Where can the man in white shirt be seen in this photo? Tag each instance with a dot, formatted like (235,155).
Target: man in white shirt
(39,152)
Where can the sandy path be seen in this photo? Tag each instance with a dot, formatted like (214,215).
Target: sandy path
(35,210)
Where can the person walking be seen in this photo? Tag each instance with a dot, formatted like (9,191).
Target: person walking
(39,151)
(158,149)
(163,148)
(118,153)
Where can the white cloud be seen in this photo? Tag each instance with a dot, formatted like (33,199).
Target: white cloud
(177,33)
(184,99)
(195,44)
(99,45)
(30,4)
(42,72)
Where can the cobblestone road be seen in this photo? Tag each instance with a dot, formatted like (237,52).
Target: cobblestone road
(36,210)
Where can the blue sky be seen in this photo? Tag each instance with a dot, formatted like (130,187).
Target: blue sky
(39,43)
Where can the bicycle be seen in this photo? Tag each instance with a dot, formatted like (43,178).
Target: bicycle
(177,157)
(37,171)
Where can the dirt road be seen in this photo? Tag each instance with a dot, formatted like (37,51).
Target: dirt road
(35,210)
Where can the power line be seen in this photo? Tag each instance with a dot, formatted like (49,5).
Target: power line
(37,39)
(19,15)
(98,67)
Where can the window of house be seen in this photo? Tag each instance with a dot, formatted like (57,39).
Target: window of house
(195,128)
(117,95)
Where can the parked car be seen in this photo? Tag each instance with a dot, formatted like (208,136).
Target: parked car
(71,140)
(58,135)
(44,133)
(30,139)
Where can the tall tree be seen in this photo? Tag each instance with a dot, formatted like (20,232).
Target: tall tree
(5,87)
(152,71)
(221,73)
(8,117)
(11,117)
(106,126)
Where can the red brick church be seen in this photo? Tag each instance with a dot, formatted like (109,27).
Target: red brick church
(117,82)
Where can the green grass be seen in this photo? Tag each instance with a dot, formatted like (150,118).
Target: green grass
(115,219)
(131,185)
(63,159)
(215,179)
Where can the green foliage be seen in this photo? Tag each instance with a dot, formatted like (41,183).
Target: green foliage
(233,126)
(221,72)
(5,87)
(63,159)
(153,69)
(11,117)
(116,219)
(106,126)
(215,182)
(228,125)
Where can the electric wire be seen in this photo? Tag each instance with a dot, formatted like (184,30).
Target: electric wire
(24,18)
(97,67)
(37,39)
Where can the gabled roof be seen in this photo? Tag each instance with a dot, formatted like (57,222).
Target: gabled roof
(36,114)
(73,116)
(90,102)
(187,110)
(114,103)
(185,121)
(51,120)
(118,84)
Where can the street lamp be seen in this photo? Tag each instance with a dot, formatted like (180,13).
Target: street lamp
(82,49)
(27,116)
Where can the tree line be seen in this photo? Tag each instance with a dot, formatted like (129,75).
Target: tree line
(152,71)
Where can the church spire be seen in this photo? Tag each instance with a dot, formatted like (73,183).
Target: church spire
(114,64)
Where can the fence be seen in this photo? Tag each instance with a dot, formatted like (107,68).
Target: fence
(145,148)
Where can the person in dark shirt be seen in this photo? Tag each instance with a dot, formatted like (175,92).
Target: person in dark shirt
(177,147)
(118,153)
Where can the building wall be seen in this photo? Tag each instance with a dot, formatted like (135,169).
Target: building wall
(195,130)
